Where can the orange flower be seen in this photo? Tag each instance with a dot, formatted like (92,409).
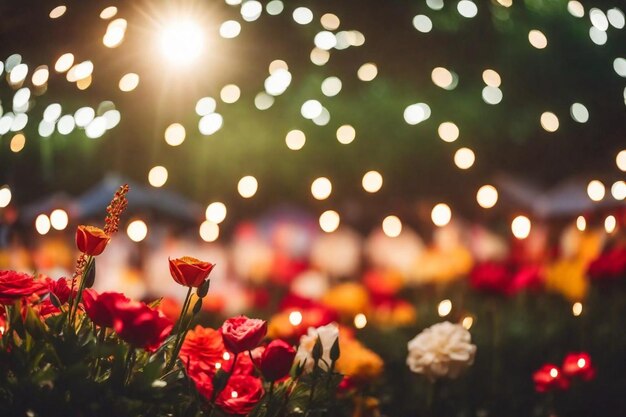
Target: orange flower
(189,271)
(91,240)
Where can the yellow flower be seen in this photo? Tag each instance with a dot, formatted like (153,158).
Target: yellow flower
(347,299)
(357,361)
(441,266)
(567,277)
(400,313)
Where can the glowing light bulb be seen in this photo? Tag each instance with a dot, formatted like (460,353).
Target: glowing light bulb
(577,309)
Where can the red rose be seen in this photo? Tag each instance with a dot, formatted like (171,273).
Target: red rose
(189,271)
(276,360)
(203,382)
(491,277)
(101,308)
(91,240)
(609,265)
(140,325)
(548,378)
(578,365)
(242,333)
(16,285)
(202,349)
(46,308)
(529,277)
(60,289)
(241,395)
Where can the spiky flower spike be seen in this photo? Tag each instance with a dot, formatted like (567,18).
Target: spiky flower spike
(115,209)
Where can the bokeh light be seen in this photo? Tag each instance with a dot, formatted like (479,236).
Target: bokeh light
(329,221)
(610,224)
(321,188)
(520,226)
(129,82)
(5,196)
(367,72)
(581,223)
(448,131)
(372,181)
(137,230)
(487,196)
(295,139)
(537,39)
(181,41)
(175,134)
(441,214)
(360,321)
(59,219)
(346,134)
(549,121)
(464,158)
(444,308)
(216,212)
(392,226)
(230,93)
(618,190)
(247,186)
(42,224)
(157,177)
(596,190)
(209,231)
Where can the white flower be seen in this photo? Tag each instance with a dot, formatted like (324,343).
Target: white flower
(310,284)
(338,253)
(328,335)
(442,350)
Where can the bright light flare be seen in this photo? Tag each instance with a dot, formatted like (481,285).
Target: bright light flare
(181,41)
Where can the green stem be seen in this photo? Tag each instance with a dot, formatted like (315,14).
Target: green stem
(79,294)
(128,368)
(179,329)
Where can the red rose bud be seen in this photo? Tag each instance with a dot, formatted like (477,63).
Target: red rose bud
(16,285)
(276,360)
(241,395)
(91,240)
(140,325)
(242,333)
(578,365)
(189,271)
(101,308)
(548,378)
